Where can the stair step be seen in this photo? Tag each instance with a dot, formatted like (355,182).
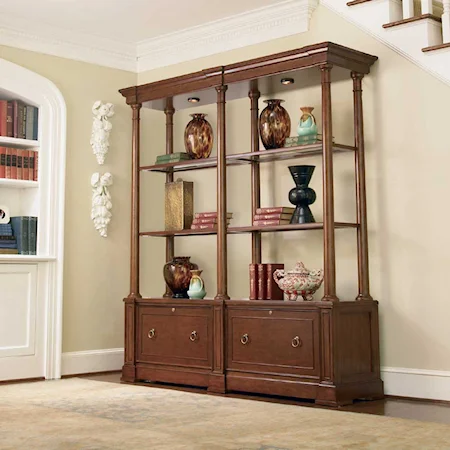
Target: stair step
(436,47)
(413,19)
(357,2)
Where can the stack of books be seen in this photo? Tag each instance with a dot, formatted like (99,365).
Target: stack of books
(8,243)
(262,284)
(275,215)
(172,158)
(18,119)
(25,231)
(207,220)
(18,164)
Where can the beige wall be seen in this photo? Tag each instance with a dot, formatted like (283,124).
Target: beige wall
(95,269)
(406,125)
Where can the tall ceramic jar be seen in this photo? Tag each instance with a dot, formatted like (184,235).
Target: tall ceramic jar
(177,274)
(274,124)
(198,137)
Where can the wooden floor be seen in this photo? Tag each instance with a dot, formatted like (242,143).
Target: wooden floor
(427,411)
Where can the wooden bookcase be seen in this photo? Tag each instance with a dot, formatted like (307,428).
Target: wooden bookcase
(338,359)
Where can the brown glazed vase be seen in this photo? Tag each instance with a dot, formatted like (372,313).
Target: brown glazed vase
(198,137)
(177,274)
(274,124)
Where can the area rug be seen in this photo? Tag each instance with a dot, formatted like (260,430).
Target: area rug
(91,415)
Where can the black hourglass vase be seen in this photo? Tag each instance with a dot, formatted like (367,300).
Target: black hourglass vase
(302,196)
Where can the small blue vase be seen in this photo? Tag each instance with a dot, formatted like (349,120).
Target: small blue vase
(197,285)
(307,127)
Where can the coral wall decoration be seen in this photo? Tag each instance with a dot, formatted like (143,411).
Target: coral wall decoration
(101,128)
(101,202)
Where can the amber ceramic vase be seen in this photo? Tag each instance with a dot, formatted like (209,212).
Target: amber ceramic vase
(274,124)
(177,274)
(198,137)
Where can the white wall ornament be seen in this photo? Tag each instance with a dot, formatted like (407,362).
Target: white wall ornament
(101,128)
(101,202)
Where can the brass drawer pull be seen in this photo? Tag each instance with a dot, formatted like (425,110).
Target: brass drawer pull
(245,339)
(296,342)
(194,336)
(152,333)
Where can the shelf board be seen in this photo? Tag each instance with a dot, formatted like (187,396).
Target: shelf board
(249,229)
(5,257)
(18,143)
(18,184)
(277,154)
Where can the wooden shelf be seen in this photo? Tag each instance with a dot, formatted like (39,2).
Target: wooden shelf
(18,143)
(18,184)
(246,158)
(249,229)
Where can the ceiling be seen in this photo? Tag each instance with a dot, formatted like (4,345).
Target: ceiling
(129,21)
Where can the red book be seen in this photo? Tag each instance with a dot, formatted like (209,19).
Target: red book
(19,164)
(2,162)
(273,290)
(31,163)
(253,281)
(3,117)
(203,226)
(262,283)
(13,153)
(274,216)
(264,223)
(25,164)
(208,215)
(10,120)
(208,221)
(276,209)
(36,166)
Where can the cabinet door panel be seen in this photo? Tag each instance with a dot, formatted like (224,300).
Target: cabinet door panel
(181,337)
(279,343)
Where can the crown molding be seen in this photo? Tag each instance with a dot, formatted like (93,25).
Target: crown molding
(249,28)
(28,35)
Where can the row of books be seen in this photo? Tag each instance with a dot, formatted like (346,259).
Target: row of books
(172,158)
(207,220)
(18,164)
(262,284)
(19,236)
(18,119)
(275,215)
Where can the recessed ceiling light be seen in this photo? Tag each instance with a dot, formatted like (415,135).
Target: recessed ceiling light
(287,81)
(193,99)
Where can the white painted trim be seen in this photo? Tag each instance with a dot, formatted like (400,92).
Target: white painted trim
(417,383)
(252,27)
(249,28)
(92,361)
(52,137)
(31,35)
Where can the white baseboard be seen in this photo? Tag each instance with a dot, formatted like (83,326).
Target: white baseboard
(402,382)
(92,361)
(417,383)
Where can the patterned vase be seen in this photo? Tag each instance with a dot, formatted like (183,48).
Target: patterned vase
(307,126)
(197,285)
(198,137)
(274,124)
(177,274)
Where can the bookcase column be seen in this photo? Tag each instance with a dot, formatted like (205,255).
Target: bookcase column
(361,203)
(254,95)
(222,275)
(170,241)
(329,250)
(134,259)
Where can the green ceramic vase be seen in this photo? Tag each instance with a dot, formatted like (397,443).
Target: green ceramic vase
(197,285)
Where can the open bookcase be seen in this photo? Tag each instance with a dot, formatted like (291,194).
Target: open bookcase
(324,350)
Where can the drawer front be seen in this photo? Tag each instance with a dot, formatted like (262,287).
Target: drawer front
(179,336)
(274,342)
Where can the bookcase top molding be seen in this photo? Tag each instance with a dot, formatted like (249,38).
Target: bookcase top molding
(239,75)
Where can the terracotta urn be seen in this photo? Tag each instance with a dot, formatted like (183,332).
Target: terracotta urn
(274,124)
(177,274)
(299,281)
(197,285)
(198,137)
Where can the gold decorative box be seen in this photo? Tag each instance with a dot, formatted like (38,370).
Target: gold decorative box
(179,203)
